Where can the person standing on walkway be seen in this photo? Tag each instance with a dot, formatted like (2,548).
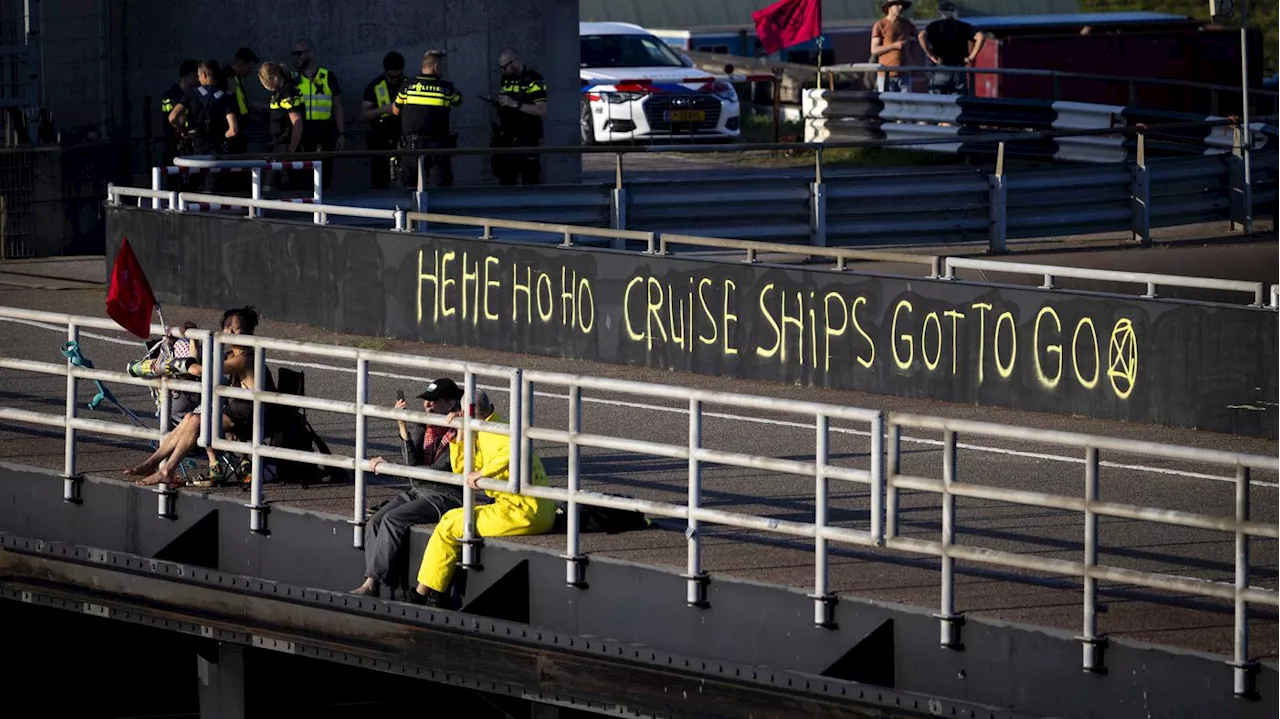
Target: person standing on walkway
(521,103)
(286,117)
(892,39)
(326,125)
(424,107)
(188,78)
(384,124)
(950,42)
(510,515)
(386,534)
(206,116)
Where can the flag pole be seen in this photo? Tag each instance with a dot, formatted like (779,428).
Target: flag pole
(819,83)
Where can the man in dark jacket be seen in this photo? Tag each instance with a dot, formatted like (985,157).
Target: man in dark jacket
(387,532)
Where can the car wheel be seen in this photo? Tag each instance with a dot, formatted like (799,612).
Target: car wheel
(588,130)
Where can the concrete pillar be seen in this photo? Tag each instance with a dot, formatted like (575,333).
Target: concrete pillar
(221,686)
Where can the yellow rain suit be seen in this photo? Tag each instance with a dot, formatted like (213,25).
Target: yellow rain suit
(510,515)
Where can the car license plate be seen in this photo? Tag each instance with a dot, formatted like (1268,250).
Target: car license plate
(686,115)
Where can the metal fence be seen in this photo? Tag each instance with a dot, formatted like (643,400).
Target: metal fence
(883,476)
(845,208)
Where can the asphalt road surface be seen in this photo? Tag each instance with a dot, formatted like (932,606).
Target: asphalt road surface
(878,574)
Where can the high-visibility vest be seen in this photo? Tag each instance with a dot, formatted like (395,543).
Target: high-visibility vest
(241,103)
(316,95)
(382,94)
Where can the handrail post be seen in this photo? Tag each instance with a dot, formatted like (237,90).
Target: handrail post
(949,622)
(255,190)
(696,589)
(1243,669)
(1094,645)
(257,510)
(893,456)
(997,196)
(317,190)
(207,377)
(358,505)
(515,432)
(1140,195)
(1241,186)
(526,421)
(470,541)
(575,562)
(877,479)
(824,602)
(70,478)
(156,183)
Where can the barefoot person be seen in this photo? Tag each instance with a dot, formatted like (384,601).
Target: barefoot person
(387,532)
(237,420)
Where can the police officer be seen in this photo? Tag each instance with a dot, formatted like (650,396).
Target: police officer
(241,66)
(286,117)
(424,107)
(522,103)
(326,124)
(384,124)
(188,78)
(206,116)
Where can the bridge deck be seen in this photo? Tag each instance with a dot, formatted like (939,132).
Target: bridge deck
(880,574)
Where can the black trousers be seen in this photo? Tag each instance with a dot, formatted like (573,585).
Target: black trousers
(386,535)
(238,145)
(321,136)
(512,168)
(439,168)
(380,167)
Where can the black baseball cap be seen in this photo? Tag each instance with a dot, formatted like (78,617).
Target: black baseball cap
(443,388)
(946,6)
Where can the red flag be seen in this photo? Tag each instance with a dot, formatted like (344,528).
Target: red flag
(788,22)
(129,299)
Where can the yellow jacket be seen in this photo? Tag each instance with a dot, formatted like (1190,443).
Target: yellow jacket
(493,460)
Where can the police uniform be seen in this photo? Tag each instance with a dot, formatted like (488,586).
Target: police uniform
(425,105)
(384,131)
(282,102)
(321,132)
(172,138)
(239,144)
(207,108)
(519,129)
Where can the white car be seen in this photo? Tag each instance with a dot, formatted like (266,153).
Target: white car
(636,88)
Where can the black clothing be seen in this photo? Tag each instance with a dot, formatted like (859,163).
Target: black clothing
(948,40)
(425,105)
(320,95)
(438,168)
(384,130)
(207,109)
(519,129)
(527,88)
(282,101)
(387,531)
(168,101)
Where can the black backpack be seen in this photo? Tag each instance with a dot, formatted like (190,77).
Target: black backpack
(292,430)
(601,519)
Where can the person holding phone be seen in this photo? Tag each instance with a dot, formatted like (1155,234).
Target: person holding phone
(387,531)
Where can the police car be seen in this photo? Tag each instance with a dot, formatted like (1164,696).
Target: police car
(636,88)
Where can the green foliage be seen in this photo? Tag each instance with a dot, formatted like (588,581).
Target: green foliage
(1264,15)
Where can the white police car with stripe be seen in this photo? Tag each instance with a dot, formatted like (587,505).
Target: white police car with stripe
(636,88)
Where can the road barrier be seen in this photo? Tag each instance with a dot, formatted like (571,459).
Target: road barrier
(843,208)
(883,476)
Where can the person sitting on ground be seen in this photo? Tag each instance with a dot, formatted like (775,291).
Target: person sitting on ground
(509,515)
(387,531)
(237,419)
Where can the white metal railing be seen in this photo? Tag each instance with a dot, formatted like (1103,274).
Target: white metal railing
(1152,281)
(1092,507)
(196,165)
(883,476)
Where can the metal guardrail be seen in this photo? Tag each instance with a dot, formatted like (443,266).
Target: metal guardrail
(1257,289)
(883,476)
(1055,75)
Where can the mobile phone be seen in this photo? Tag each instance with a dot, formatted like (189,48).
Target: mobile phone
(471,410)
(400,395)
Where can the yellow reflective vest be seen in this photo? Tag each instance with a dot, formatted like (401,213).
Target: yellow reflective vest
(316,95)
(242,105)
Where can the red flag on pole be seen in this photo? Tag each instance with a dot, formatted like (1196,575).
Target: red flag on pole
(130,301)
(788,22)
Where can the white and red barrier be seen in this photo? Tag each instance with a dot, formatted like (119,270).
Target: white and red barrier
(275,166)
(196,166)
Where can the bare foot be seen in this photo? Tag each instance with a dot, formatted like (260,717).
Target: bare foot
(369,587)
(159,478)
(141,470)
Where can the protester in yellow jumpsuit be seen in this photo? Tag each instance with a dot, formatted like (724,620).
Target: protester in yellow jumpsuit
(510,515)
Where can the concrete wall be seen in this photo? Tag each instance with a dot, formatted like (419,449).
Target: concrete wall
(351,40)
